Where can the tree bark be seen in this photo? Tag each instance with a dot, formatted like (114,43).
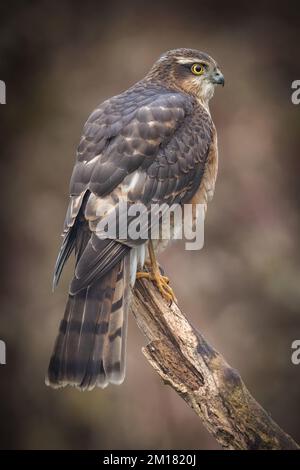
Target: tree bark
(202,377)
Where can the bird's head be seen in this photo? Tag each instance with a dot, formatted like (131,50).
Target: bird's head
(191,71)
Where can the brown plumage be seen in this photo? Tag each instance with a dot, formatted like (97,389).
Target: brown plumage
(154,143)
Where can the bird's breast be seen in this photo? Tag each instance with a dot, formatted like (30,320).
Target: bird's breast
(206,188)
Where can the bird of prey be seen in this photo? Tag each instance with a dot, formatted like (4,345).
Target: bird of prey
(153,143)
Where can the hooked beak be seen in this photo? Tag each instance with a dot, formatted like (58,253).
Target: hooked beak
(217,78)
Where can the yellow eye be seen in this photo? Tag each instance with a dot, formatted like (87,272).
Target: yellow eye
(197,69)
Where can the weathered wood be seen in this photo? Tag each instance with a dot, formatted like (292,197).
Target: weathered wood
(202,377)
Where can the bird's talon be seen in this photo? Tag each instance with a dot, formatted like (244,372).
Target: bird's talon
(166,279)
(161,282)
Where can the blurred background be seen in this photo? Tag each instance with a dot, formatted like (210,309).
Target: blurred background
(242,291)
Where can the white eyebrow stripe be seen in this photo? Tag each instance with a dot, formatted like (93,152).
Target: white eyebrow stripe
(188,60)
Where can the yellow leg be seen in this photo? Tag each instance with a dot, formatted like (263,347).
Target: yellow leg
(162,282)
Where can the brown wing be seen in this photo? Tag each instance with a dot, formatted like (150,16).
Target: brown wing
(147,145)
(125,136)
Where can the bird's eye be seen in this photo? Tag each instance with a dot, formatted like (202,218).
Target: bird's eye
(197,69)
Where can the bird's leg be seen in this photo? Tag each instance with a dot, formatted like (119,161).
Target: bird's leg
(162,282)
(148,266)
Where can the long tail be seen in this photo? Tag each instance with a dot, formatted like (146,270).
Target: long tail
(90,346)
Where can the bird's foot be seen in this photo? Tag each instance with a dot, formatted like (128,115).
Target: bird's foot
(161,282)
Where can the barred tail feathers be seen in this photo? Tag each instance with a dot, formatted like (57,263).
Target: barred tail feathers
(90,346)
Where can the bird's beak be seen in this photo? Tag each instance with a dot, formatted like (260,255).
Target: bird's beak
(217,78)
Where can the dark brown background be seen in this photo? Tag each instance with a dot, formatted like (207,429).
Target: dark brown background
(59,60)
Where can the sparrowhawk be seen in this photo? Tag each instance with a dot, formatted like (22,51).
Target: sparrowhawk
(153,143)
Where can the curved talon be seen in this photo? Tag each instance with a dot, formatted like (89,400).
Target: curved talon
(162,283)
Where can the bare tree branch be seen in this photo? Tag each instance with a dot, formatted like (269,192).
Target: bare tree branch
(202,377)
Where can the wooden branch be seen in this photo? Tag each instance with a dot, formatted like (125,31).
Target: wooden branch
(201,376)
